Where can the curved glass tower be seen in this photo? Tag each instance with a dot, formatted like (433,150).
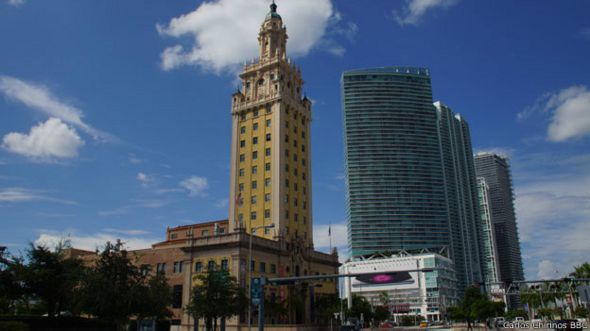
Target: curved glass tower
(409,170)
(396,197)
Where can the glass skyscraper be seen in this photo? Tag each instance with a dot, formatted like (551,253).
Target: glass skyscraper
(489,249)
(409,169)
(495,169)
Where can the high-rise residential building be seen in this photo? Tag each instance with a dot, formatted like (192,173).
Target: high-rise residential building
(489,254)
(270,153)
(461,193)
(409,169)
(495,169)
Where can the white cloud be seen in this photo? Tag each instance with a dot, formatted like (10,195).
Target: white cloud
(145,180)
(131,232)
(224,32)
(222,203)
(17,194)
(151,203)
(134,159)
(569,110)
(416,9)
(538,107)
(40,98)
(45,141)
(16,3)
(553,211)
(322,240)
(93,241)
(571,114)
(195,185)
(547,270)
(115,212)
(139,203)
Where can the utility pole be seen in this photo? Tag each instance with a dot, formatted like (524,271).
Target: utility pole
(249,268)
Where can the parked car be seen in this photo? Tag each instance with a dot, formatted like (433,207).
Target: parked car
(499,321)
(387,325)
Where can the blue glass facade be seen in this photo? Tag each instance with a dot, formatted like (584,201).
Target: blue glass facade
(408,169)
(396,197)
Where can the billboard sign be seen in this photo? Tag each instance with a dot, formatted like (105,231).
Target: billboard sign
(391,275)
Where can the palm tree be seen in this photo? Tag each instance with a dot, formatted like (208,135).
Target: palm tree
(384,298)
(532,298)
(581,271)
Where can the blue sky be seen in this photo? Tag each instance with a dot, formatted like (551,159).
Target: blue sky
(115,115)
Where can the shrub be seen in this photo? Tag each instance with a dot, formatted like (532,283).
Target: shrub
(13,326)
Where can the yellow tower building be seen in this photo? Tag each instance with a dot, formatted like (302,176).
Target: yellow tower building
(270,151)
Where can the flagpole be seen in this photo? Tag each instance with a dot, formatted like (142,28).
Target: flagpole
(330,235)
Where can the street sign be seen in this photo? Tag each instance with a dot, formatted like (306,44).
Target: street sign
(255,291)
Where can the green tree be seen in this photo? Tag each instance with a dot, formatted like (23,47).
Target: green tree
(474,306)
(153,298)
(51,277)
(275,311)
(360,307)
(545,313)
(384,298)
(581,312)
(114,289)
(581,271)
(10,288)
(380,314)
(514,313)
(217,295)
(499,308)
(326,306)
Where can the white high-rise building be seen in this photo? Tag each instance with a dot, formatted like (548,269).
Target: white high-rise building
(409,290)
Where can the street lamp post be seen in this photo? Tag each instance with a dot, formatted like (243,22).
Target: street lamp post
(249,266)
